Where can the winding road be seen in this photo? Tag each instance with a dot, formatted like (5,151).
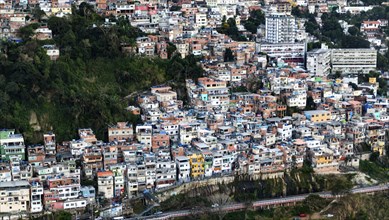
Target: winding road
(259,203)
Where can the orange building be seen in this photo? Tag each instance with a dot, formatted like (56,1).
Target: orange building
(122,131)
(159,140)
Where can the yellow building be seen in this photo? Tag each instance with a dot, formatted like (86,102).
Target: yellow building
(196,161)
(323,159)
(325,163)
(65,9)
(379,147)
(318,115)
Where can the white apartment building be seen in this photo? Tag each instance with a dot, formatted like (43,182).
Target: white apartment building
(77,148)
(211,3)
(170,129)
(132,182)
(279,82)
(214,3)
(105,183)
(141,177)
(187,133)
(144,134)
(285,130)
(166,173)
(217,162)
(49,143)
(298,98)
(208,163)
(201,20)
(164,93)
(45,173)
(150,163)
(302,2)
(227,163)
(118,171)
(319,62)
(66,191)
(280,28)
(75,203)
(270,139)
(183,49)
(353,60)
(289,52)
(254,168)
(5,174)
(214,94)
(139,19)
(183,167)
(36,197)
(14,197)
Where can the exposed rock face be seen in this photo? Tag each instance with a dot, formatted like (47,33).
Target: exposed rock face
(363,179)
(34,123)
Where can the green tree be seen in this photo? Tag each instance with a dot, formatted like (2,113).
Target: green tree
(171,49)
(86,86)
(27,31)
(86,10)
(374,156)
(229,28)
(354,42)
(38,13)
(353,85)
(257,17)
(63,215)
(228,55)
(310,104)
(332,29)
(340,185)
(296,12)
(314,203)
(338,74)
(58,26)
(382,62)
(354,31)
(312,27)
(175,8)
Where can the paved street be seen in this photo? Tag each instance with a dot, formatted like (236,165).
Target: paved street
(260,203)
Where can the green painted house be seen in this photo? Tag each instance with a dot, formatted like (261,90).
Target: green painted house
(11,144)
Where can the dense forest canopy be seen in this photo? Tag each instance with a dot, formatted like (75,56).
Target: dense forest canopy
(86,86)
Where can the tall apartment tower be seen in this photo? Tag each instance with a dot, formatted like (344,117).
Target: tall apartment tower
(280,28)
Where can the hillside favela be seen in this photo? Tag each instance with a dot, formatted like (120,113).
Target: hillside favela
(194,109)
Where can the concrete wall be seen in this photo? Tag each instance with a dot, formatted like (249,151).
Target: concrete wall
(164,195)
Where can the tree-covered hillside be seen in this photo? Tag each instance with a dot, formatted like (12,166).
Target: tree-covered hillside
(86,86)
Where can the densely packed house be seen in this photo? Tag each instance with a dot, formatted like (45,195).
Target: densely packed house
(297,114)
